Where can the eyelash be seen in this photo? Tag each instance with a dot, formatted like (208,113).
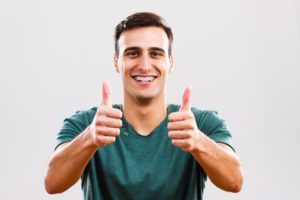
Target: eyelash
(156,53)
(134,54)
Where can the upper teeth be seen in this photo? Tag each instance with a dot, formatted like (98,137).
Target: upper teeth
(144,79)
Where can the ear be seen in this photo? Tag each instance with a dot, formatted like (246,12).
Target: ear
(116,63)
(171,64)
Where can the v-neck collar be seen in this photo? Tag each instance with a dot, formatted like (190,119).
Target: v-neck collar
(130,129)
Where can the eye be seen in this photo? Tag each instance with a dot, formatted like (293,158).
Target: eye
(156,54)
(132,54)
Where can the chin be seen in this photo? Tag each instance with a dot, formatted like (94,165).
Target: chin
(145,96)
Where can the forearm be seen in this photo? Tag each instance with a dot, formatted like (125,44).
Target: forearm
(220,164)
(68,163)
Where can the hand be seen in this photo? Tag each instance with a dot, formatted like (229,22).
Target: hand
(107,121)
(182,126)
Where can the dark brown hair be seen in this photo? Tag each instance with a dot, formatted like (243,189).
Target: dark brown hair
(142,19)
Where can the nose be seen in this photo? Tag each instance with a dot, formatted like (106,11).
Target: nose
(145,63)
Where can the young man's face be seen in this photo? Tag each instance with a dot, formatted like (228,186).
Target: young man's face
(144,62)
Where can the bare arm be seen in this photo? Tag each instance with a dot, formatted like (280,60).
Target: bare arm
(68,162)
(70,159)
(218,161)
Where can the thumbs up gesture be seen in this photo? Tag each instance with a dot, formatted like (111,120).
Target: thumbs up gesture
(183,130)
(107,121)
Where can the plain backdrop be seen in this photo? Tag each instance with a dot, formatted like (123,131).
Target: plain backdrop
(241,57)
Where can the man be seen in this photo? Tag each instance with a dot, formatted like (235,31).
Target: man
(144,148)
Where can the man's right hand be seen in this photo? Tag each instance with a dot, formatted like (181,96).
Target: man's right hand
(107,121)
(71,158)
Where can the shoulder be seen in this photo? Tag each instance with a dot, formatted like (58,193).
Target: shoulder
(76,123)
(207,116)
(88,115)
(209,120)
(205,119)
(210,123)
(200,114)
(83,115)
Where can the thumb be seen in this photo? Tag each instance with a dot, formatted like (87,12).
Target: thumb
(185,106)
(105,94)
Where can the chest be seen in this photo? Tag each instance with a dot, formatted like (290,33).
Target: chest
(134,161)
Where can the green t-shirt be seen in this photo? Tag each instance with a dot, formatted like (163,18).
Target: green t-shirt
(144,167)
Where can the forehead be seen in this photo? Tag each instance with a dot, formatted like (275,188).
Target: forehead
(144,37)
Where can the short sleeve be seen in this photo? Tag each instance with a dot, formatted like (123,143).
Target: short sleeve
(211,124)
(74,125)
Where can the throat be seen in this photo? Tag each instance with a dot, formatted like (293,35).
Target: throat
(145,119)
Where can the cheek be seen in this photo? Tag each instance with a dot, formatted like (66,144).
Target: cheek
(126,66)
(160,64)
(164,68)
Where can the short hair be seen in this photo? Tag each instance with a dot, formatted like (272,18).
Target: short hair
(142,19)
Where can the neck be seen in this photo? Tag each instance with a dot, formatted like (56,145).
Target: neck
(145,115)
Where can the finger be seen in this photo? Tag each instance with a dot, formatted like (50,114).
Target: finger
(181,143)
(109,122)
(110,112)
(179,134)
(114,123)
(180,125)
(107,131)
(179,116)
(105,94)
(185,106)
(102,140)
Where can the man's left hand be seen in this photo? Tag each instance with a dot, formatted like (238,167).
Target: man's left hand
(182,126)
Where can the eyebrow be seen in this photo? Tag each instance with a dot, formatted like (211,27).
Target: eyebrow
(132,49)
(138,49)
(157,49)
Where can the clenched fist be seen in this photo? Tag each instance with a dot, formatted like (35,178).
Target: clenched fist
(182,126)
(107,121)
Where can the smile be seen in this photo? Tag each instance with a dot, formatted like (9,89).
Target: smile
(144,78)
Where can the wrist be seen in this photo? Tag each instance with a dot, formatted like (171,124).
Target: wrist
(88,138)
(199,144)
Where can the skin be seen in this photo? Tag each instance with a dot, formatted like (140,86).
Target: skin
(143,52)
(218,160)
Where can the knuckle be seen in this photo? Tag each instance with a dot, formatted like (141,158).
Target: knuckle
(190,125)
(100,130)
(190,115)
(189,144)
(171,116)
(187,134)
(192,133)
(101,120)
(115,112)
(98,141)
(101,110)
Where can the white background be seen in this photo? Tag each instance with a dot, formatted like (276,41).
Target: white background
(241,57)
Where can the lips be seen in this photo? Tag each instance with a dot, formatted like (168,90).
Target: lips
(144,79)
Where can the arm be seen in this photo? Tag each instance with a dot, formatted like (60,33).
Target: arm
(68,162)
(70,159)
(218,161)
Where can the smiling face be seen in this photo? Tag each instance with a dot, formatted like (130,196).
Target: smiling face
(144,62)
